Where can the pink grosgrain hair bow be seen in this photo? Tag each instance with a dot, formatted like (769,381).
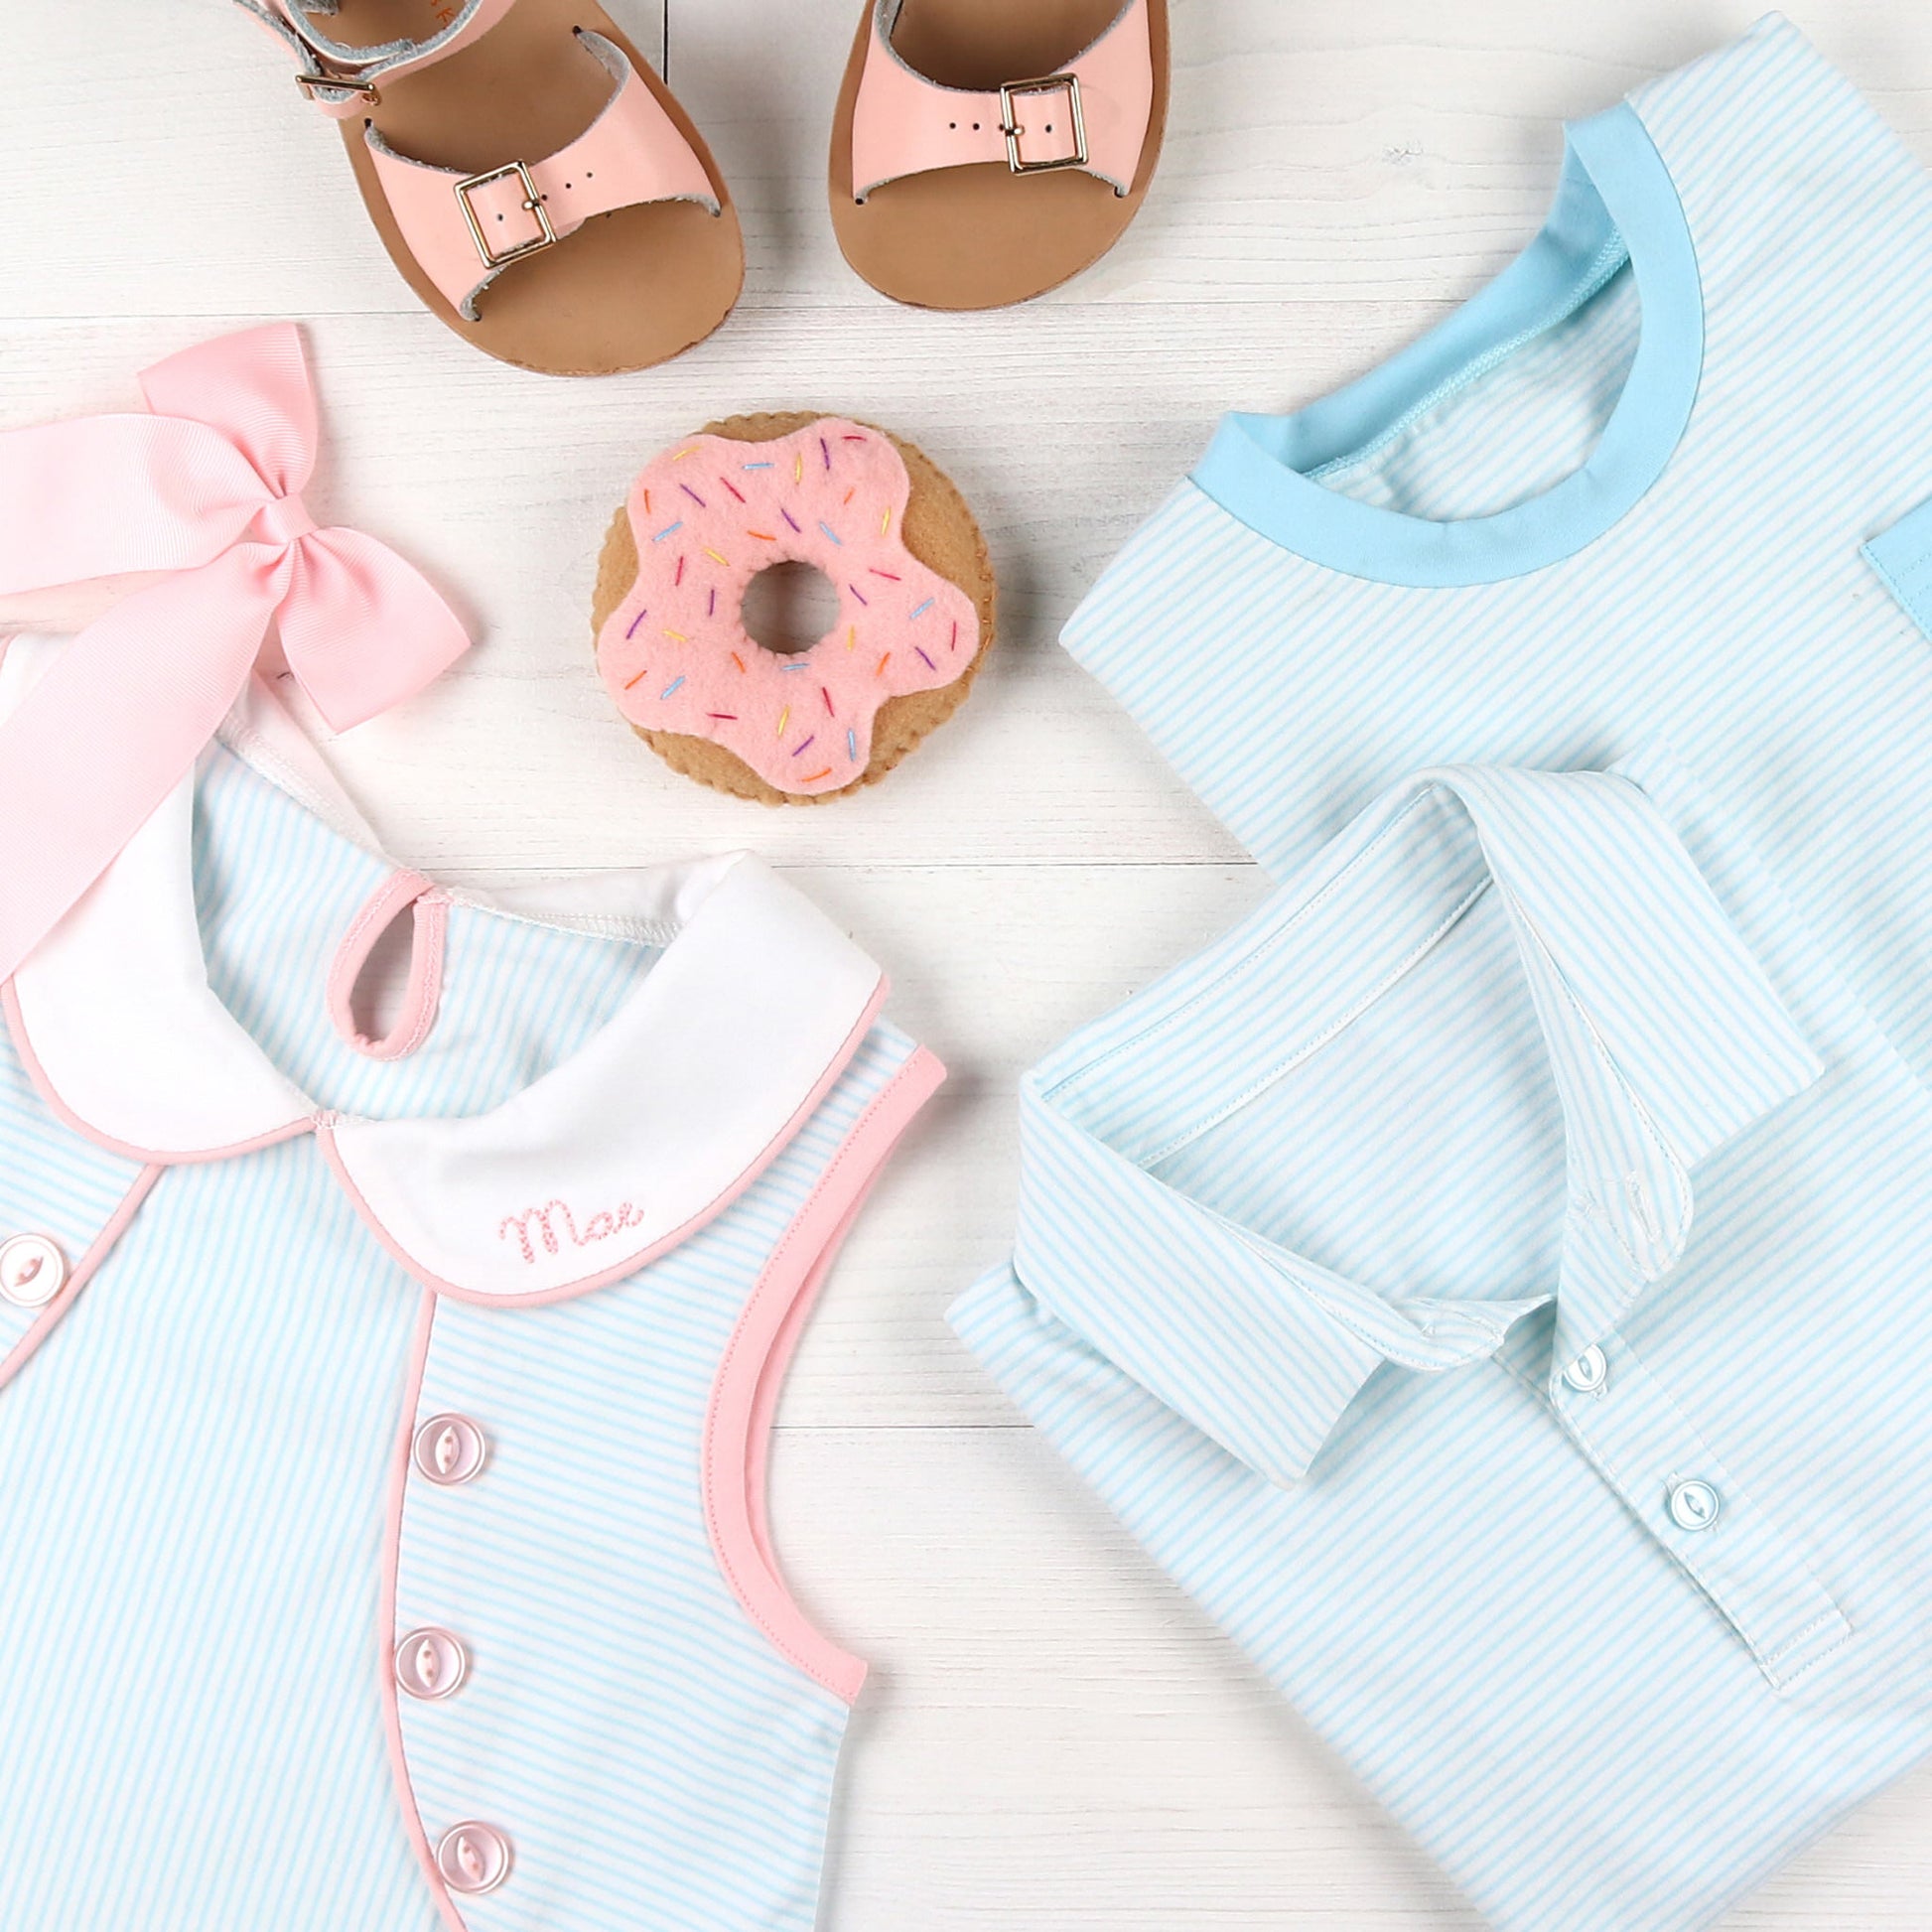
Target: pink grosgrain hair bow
(206,488)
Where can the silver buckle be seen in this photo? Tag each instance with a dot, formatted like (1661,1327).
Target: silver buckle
(312,83)
(546,235)
(1048,83)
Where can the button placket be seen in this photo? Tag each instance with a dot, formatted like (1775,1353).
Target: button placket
(450,1451)
(1649,1452)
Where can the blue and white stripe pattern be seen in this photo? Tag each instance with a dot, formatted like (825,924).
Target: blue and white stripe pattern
(195,1465)
(1730,609)
(1394,1265)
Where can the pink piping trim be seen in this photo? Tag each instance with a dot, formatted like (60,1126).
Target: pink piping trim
(641,1257)
(745,1392)
(155,1157)
(412,1818)
(104,1243)
(430,909)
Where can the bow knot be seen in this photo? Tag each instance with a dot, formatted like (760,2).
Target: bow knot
(282,521)
(207,487)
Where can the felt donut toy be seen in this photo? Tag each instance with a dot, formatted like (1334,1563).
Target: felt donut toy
(887,527)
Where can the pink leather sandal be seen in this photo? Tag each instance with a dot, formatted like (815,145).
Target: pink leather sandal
(986,150)
(536,183)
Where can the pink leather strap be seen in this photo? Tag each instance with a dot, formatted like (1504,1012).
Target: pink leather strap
(466,231)
(429,907)
(904,124)
(343,79)
(204,490)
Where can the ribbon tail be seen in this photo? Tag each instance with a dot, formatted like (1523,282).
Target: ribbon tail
(106,496)
(115,723)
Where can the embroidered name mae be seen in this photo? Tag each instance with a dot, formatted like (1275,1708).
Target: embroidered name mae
(554,1223)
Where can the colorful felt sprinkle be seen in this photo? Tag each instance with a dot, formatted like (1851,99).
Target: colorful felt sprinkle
(891,576)
(634,622)
(678,635)
(755,466)
(737,660)
(831,710)
(734,489)
(784,718)
(808,743)
(682,454)
(763,536)
(851,437)
(955,633)
(812,777)
(851,636)
(832,533)
(667,529)
(929,664)
(694,496)
(849,494)
(716,558)
(826,452)
(669,688)
(724,717)
(796,665)
(711,607)
(679,578)
(921,610)
(798,468)
(792,520)
(638,679)
(852,745)
(884,520)
(882,662)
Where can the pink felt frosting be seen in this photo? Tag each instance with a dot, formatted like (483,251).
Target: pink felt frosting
(711,513)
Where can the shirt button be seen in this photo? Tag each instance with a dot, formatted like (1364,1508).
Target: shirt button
(1589,1373)
(1694,1505)
(473,1857)
(450,1449)
(33,1270)
(430,1663)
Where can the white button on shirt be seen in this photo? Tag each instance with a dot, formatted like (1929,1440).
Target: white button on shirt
(1529,1081)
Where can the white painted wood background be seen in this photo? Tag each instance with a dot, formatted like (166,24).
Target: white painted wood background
(1056,1741)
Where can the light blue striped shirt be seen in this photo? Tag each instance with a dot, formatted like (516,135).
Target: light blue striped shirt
(1492,1279)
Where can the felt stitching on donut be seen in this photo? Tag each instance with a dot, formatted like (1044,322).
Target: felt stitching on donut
(832,495)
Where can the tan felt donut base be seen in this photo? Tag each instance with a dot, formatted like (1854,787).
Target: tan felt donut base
(937,528)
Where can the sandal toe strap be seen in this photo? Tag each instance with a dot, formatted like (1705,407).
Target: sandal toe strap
(466,229)
(1093,115)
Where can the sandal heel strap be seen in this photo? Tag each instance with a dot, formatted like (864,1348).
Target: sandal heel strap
(342,80)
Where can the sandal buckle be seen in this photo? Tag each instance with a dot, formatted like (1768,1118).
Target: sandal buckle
(546,235)
(1048,83)
(311,85)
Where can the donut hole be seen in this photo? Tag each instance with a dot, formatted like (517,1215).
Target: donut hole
(788,607)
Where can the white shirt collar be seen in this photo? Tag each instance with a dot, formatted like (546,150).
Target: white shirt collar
(613,1155)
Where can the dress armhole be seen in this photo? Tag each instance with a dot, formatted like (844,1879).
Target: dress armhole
(751,1376)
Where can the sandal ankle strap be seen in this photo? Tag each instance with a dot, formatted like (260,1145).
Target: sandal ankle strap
(342,80)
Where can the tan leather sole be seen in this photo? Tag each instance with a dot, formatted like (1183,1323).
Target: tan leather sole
(626,290)
(981,238)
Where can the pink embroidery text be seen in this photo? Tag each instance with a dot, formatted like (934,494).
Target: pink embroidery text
(553,1224)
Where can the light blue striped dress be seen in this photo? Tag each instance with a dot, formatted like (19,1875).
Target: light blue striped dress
(329,1601)
(1494,1278)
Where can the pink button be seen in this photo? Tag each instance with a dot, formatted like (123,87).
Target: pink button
(450,1449)
(33,1270)
(473,1857)
(430,1663)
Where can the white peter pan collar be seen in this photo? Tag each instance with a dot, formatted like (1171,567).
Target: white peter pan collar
(616,1154)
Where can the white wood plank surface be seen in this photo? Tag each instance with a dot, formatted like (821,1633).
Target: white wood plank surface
(1056,1741)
